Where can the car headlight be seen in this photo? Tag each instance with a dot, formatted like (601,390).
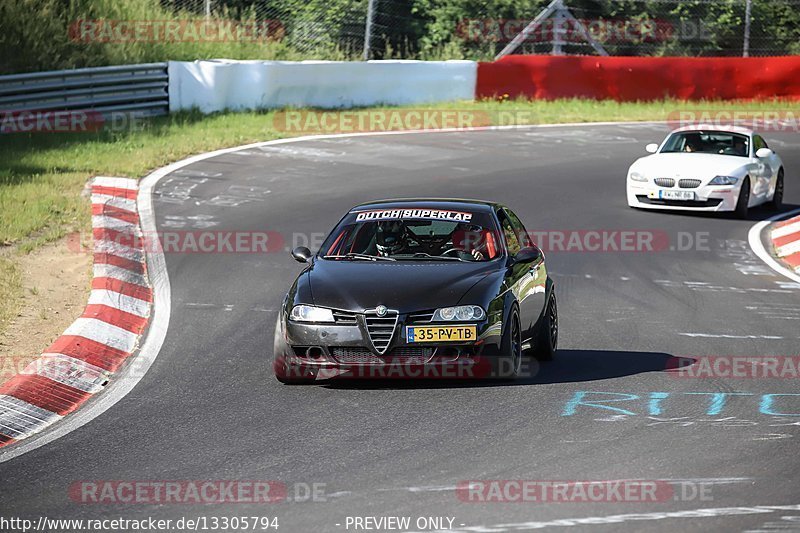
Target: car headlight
(723,180)
(461,312)
(310,313)
(637,176)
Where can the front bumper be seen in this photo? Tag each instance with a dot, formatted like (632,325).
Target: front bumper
(346,351)
(707,198)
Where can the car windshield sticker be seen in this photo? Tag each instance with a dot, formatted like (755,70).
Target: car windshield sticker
(456,216)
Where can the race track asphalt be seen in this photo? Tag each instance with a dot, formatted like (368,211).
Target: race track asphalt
(210,409)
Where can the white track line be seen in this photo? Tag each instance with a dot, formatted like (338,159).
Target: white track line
(713,512)
(754,238)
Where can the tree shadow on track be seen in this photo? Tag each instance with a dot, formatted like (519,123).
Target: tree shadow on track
(569,366)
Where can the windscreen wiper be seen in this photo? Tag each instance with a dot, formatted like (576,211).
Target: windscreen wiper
(424,255)
(355,255)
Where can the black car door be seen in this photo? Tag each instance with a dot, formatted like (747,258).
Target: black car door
(526,279)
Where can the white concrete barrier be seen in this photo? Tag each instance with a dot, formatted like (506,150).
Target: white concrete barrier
(237,85)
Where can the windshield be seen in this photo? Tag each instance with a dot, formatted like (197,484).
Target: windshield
(414,235)
(708,142)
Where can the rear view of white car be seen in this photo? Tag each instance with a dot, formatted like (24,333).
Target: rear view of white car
(707,168)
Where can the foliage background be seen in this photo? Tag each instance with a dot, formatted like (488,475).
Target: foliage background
(34,34)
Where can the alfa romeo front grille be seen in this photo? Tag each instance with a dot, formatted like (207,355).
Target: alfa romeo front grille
(689,184)
(381,329)
(355,356)
(411,354)
(358,355)
(664,182)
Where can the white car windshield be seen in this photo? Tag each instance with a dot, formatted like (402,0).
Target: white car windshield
(708,142)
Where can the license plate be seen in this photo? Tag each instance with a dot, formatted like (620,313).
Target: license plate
(441,333)
(671,195)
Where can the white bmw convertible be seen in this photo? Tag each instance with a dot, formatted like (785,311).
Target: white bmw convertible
(707,168)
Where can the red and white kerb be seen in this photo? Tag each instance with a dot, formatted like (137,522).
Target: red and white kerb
(84,358)
(786,242)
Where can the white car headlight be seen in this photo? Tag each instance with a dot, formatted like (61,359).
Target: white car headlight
(461,312)
(310,313)
(637,176)
(723,180)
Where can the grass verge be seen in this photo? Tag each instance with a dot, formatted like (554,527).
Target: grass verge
(42,175)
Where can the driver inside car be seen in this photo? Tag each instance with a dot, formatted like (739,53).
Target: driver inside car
(391,238)
(474,242)
(739,146)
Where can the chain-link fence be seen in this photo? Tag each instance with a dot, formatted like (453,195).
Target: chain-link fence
(325,29)
(480,30)
(87,33)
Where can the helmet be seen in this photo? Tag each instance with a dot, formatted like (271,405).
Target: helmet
(390,237)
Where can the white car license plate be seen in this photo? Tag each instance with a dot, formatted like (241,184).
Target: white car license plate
(671,195)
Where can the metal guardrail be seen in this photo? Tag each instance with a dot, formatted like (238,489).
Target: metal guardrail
(126,88)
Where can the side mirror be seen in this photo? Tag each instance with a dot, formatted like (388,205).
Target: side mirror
(763,152)
(652,148)
(301,254)
(532,254)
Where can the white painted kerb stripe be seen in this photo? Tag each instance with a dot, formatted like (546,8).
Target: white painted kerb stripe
(788,229)
(754,239)
(119,202)
(104,333)
(102,221)
(121,250)
(123,302)
(789,249)
(104,270)
(116,183)
(69,371)
(20,419)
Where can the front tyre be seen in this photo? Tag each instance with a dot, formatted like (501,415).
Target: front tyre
(510,360)
(744,199)
(777,197)
(547,337)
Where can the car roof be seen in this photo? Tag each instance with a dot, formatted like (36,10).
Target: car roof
(429,203)
(715,127)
